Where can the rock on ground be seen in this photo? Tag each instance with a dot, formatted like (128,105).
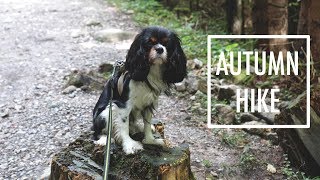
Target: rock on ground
(225,114)
(225,92)
(113,35)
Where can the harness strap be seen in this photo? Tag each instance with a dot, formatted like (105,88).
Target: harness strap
(120,82)
(150,86)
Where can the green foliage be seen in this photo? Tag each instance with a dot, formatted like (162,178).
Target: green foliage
(248,161)
(287,95)
(214,112)
(202,99)
(243,78)
(292,174)
(235,139)
(207,163)
(193,37)
(264,84)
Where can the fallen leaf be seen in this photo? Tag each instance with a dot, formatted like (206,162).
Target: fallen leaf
(271,168)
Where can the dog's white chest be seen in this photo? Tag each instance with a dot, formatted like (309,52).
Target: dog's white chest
(141,95)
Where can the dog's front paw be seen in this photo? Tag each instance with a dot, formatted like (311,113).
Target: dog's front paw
(158,142)
(102,141)
(131,146)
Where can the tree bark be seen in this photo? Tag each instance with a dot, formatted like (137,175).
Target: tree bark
(237,19)
(259,21)
(302,25)
(271,17)
(314,31)
(277,14)
(309,23)
(247,16)
(303,21)
(234,16)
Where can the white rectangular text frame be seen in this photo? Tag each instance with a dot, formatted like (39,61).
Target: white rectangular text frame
(307,37)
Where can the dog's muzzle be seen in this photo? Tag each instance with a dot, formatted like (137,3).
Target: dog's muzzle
(158,54)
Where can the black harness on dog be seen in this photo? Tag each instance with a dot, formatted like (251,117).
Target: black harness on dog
(121,79)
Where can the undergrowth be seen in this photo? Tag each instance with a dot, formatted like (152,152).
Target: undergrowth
(292,174)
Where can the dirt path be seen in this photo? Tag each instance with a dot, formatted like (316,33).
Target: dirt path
(42,41)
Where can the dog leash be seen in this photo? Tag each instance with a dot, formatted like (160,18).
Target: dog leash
(118,66)
(108,143)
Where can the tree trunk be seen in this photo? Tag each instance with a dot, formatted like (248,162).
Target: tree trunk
(303,21)
(314,31)
(239,16)
(271,17)
(237,19)
(302,25)
(234,16)
(277,15)
(309,23)
(247,16)
(260,21)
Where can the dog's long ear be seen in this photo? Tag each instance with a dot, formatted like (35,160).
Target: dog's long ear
(136,60)
(176,67)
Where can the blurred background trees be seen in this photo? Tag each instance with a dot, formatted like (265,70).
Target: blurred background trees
(258,17)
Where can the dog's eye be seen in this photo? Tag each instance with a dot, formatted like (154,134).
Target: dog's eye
(153,40)
(164,41)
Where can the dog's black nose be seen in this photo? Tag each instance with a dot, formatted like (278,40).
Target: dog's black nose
(159,50)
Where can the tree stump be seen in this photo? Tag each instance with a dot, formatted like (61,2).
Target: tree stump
(82,159)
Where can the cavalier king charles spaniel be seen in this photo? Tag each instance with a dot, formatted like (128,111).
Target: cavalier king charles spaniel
(154,62)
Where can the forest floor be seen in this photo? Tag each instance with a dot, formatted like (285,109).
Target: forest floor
(42,41)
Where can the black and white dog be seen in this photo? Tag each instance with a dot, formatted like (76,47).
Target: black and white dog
(154,62)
